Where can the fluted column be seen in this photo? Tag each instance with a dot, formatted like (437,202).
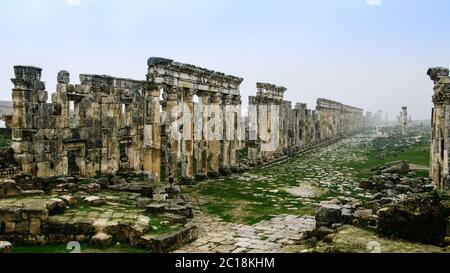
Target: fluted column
(234,145)
(172,141)
(215,131)
(187,165)
(152,132)
(227,121)
(202,160)
(254,143)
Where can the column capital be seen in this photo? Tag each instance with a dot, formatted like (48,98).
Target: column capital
(437,72)
(227,99)
(188,94)
(237,100)
(170,92)
(216,98)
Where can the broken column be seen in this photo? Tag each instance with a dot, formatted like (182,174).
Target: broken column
(404,120)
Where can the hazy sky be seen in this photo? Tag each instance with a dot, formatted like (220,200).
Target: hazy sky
(367,53)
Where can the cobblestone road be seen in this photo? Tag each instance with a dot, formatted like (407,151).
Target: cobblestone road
(217,236)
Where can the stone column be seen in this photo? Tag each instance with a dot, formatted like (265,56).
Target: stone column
(152,131)
(440,119)
(172,141)
(234,145)
(187,165)
(227,121)
(214,134)
(202,161)
(254,151)
(404,119)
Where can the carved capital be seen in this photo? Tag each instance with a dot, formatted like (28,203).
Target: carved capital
(216,98)
(170,93)
(189,95)
(227,99)
(237,100)
(437,72)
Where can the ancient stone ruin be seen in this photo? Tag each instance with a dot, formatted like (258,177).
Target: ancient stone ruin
(125,144)
(275,129)
(440,120)
(404,120)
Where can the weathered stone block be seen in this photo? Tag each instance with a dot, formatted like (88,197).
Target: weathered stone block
(5,247)
(328,214)
(95,201)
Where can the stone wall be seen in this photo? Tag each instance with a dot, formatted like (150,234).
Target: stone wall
(275,129)
(89,128)
(106,125)
(440,127)
(337,119)
(22,224)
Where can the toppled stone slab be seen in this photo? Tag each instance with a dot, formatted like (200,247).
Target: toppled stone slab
(55,206)
(143,188)
(304,190)
(174,218)
(95,200)
(399,167)
(91,187)
(143,202)
(101,239)
(69,200)
(328,214)
(33,193)
(155,208)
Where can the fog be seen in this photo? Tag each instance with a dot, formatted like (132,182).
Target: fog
(365,55)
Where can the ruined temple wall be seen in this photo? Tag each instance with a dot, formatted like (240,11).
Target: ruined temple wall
(331,118)
(440,142)
(216,148)
(338,119)
(89,128)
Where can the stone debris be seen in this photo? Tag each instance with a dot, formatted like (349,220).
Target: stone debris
(95,200)
(5,247)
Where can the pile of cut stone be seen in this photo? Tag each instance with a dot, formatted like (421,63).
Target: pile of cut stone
(398,204)
(389,185)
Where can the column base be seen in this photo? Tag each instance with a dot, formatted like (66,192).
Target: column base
(187,181)
(201,177)
(235,169)
(213,174)
(225,171)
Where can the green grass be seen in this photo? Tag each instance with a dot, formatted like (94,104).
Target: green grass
(158,227)
(249,202)
(384,150)
(5,142)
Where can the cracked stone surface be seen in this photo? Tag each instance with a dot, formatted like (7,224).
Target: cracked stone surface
(217,236)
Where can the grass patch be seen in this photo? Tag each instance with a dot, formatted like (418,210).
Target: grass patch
(389,149)
(5,142)
(159,226)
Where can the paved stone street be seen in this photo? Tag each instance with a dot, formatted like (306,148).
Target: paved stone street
(315,174)
(217,236)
